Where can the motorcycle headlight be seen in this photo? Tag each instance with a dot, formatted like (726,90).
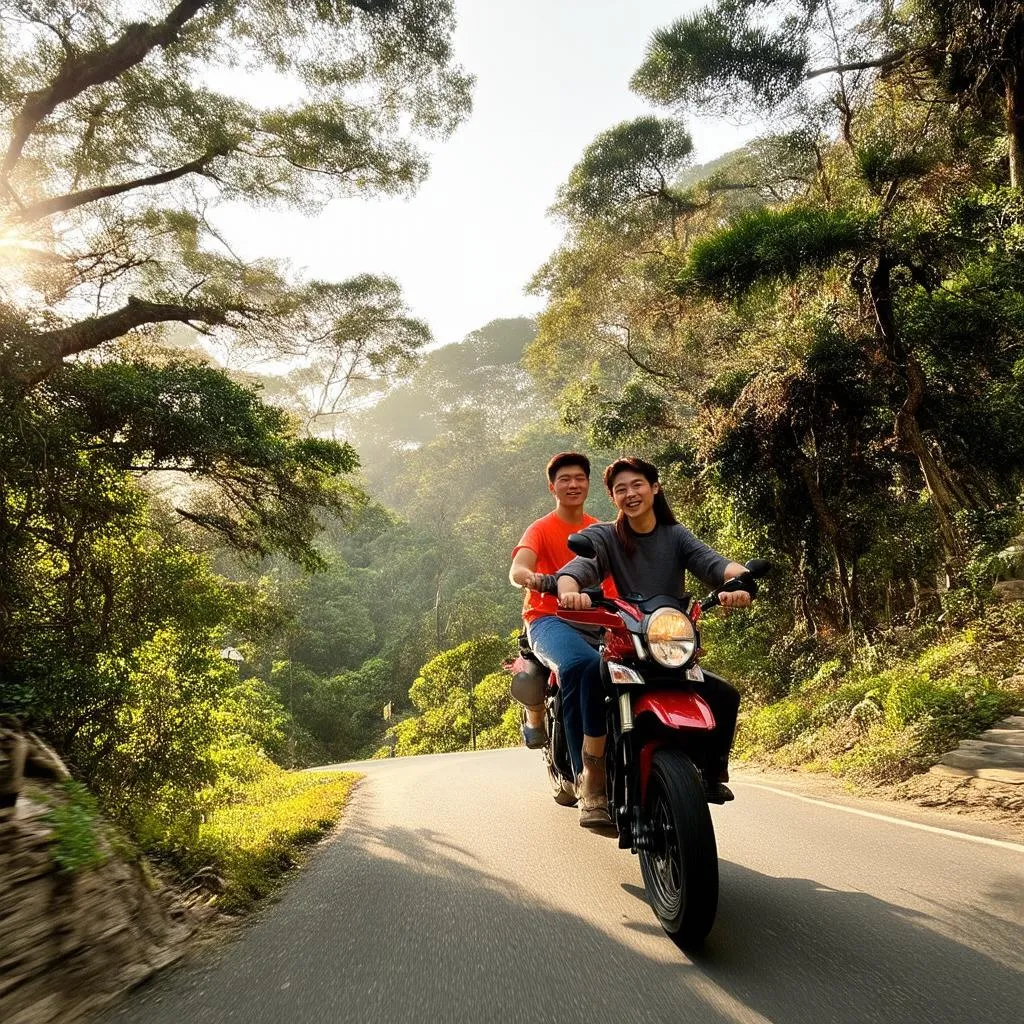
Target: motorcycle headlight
(670,637)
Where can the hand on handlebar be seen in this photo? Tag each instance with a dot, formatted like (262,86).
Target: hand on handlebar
(530,580)
(734,599)
(575,602)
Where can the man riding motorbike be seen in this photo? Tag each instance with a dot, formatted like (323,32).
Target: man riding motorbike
(646,552)
(542,551)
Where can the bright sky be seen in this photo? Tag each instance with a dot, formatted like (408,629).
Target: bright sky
(551,74)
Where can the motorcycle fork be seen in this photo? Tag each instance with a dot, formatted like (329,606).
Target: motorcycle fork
(625,793)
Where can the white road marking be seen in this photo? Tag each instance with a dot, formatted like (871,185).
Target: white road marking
(1002,843)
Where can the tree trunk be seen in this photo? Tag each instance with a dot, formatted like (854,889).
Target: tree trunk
(940,485)
(438,632)
(830,528)
(941,490)
(1015,124)
(82,70)
(30,358)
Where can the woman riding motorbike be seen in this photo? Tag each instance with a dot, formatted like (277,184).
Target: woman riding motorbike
(646,552)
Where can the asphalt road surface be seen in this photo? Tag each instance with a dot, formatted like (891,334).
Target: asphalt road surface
(457,890)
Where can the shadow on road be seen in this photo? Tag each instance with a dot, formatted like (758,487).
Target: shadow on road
(777,940)
(395,924)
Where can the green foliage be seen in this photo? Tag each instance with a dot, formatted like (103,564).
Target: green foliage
(463,701)
(883,727)
(636,161)
(945,709)
(885,756)
(506,733)
(129,131)
(482,372)
(263,486)
(456,670)
(75,821)
(774,725)
(717,59)
(768,245)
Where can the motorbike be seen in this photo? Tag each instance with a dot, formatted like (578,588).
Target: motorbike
(658,755)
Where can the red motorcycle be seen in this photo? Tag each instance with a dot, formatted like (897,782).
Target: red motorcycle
(658,755)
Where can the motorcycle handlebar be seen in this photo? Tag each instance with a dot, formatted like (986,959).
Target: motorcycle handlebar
(757,569)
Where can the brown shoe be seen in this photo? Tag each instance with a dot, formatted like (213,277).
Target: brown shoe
(593,793)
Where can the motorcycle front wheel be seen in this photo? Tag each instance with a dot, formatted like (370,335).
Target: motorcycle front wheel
(679,859)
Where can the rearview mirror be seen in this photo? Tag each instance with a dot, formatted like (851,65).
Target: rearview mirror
(581,545)
(758,567)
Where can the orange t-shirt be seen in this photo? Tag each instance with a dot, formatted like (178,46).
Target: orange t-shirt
(548,539)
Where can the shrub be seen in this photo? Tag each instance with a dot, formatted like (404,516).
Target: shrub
(945,710)
(773,726)
(504,734)
(826,674)
(842,701)
(886,756)
(75,821)
(948,655)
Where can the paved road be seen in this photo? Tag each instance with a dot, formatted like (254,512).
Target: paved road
(458,891)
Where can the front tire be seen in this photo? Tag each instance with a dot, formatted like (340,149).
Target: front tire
(679,858)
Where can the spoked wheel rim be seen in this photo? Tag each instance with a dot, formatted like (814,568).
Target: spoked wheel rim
(666,880)
(553,776)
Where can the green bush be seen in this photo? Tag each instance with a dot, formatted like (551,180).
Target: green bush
(945,710)
(885,756)
(75,821)
(955,652)
(504,734)
(839,704)
(884,727)
(773,726)
(826,674)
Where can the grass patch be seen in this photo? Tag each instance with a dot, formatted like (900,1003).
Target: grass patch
(252,841)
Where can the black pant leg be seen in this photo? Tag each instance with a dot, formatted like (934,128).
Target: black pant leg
(724,700)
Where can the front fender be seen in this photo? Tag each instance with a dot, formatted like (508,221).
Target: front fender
(676,709)
(673,709)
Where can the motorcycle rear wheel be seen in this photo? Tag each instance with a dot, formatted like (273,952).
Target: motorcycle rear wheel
(562,789)
(680,864)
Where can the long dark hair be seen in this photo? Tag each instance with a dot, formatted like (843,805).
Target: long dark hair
(663,513)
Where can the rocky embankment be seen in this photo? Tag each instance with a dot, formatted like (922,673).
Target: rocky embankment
(70,941)
(986,773)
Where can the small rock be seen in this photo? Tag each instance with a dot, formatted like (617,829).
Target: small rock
(1008,591)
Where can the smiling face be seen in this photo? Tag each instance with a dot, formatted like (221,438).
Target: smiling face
(633,494)
(570,486)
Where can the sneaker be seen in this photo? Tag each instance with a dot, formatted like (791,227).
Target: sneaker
(534,738)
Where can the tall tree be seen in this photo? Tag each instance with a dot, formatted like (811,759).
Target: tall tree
(891,150)
(126,125)
(735,54)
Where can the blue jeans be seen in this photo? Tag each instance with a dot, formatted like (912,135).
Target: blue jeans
(566,650)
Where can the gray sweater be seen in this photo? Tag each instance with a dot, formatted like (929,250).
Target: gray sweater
(658,566)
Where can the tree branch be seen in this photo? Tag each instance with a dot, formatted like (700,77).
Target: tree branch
(61,204)
(94,67)
(29,358)
(861,65)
